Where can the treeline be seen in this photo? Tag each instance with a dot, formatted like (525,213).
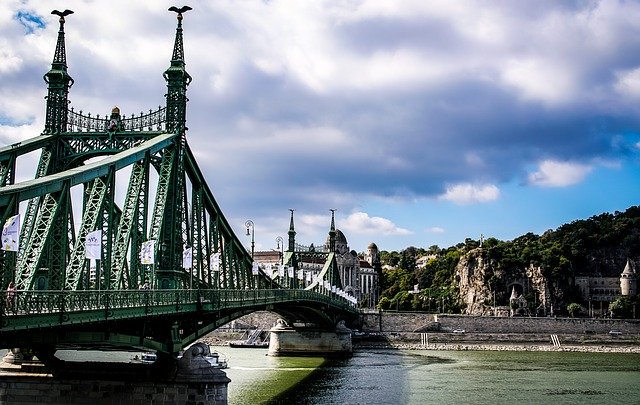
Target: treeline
(598,246)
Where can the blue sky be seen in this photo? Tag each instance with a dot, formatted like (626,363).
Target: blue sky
(422,122)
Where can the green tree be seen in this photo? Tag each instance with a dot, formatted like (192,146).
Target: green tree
(574,309)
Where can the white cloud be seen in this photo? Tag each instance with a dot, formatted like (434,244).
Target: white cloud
(361,222)
(558,174)
(541,79)
(628,83)
(435,229)
(467,193)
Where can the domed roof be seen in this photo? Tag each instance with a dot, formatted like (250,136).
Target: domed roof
(340,238)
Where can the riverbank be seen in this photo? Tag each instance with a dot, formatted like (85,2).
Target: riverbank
(501,347)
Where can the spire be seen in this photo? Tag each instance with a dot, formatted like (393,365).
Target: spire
(59,82)
(177,80)
(60,57)
(292,234)
(332,232)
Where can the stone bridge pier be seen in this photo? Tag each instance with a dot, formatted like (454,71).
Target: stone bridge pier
(285,340)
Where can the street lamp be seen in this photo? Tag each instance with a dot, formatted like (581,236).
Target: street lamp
(249,224)
(280,247)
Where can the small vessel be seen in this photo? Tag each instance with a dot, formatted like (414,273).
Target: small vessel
(144,358)
(217,360)
(254,340)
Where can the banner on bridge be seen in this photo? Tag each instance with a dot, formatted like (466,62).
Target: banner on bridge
(147,252)
(93,245)
(10,234)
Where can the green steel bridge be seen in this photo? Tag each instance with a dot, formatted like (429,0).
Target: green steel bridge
(64,300)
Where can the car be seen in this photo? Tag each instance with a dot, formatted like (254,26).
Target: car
(458,331)
(615,332)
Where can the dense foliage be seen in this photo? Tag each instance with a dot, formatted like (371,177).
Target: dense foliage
(598,246)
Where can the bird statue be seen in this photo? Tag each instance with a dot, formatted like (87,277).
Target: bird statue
(62,14)
(180,10)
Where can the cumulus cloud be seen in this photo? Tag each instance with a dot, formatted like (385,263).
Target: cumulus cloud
(552,173)
(466,193)
(309,104)
(362,223)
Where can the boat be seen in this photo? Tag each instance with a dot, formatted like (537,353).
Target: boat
(217,360)
(144,358)
(254,340)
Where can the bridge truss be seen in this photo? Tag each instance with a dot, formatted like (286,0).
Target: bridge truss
(166,213)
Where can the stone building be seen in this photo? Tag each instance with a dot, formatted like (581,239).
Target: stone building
(359,274)
(607,289)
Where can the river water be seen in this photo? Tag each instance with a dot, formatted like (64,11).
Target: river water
(434,377)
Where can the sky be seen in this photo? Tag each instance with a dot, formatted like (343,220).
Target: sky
(420,122)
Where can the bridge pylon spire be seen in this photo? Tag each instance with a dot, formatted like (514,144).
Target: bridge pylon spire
(177,79)
(292,234)
(332,232)
(59,82)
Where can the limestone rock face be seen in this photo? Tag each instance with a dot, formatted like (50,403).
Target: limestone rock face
(479,278)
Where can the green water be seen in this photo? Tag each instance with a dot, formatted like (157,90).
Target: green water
(425,377)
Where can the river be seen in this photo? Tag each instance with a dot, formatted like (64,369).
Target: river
(440,377)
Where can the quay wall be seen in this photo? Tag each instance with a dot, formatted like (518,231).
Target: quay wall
(25,390)
(384,321)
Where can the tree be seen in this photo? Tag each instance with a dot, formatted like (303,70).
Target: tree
(574,309)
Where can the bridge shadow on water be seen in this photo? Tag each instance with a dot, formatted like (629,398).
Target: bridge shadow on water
(370,376)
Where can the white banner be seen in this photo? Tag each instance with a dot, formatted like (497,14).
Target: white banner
(187,258)
(300,274)
(290,272)
(309,274)
(281,270)
(148,252)
(93,245)
(269,270)
(215,262)
(11,234)
(254,269)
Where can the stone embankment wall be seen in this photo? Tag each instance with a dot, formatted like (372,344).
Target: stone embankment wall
(46,390)
(383,321)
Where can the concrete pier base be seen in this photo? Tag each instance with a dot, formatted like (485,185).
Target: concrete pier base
(189,380)
(288,341)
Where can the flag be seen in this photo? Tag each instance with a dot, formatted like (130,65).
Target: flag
(10,234)
(300,274)
(269,270)
(93,245)
(281,270)
(147,252)
(215,261)
(290,272)
(187,258)
(254,269)
(309,274)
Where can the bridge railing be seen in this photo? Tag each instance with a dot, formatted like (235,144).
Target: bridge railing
(26,303)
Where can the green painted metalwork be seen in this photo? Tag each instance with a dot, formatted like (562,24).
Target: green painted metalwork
(59,302)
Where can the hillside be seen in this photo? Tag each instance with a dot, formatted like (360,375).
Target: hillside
(470,278)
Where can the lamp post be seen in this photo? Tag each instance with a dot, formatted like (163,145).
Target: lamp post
(280,247)
(249,224)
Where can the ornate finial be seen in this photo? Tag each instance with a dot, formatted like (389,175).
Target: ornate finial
(332,232)
(180,10)
(62,14)
(60,57)
(178,49)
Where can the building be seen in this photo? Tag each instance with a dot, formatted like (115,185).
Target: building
(359,274)
(608,289)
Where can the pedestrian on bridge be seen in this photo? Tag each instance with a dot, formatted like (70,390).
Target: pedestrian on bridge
(11,296)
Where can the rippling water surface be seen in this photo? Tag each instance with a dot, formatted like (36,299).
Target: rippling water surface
(438,377)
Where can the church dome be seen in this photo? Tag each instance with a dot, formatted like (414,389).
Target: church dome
(340,238)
